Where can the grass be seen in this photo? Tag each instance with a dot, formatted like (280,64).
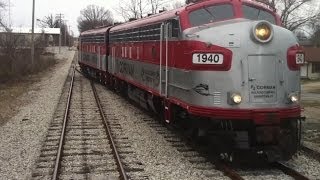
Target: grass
(310,103)
(14,85)
(307,81)
(22,66)
(9,92)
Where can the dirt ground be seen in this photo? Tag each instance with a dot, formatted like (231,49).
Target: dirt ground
(9,93)
(311,105)
(12,90)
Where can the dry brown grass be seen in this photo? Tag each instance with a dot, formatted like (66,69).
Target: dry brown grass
(21,65)
(9,104)
(15,84)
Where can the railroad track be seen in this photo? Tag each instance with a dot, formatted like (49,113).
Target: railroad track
(201,160)
(86,152)
(80,143)
(310,152)
(289,171)
(204,156)
(201,156)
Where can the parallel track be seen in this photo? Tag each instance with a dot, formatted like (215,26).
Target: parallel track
(312,153)
(289,171)
(81,145)
(55,148)
(197,157)
(106,125)
(62,136)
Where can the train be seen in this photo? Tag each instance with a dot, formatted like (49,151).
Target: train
(226,69)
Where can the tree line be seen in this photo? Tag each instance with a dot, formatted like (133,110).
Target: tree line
(56,22)
(300,16)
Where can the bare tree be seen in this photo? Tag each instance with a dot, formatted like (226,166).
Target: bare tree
(177,4)
(93,16)
(8,44)
(2,8)
(191,1)
(295,13)
(301,35)
(132,9)
(135,9)
(49,22)
(315,38)
(156,5)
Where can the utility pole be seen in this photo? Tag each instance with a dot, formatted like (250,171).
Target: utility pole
(60,22)
(60,33)
(69,36)
(9,14)
(65,32)
(32,36)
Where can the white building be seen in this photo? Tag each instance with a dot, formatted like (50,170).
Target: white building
(23,35)
(311,68)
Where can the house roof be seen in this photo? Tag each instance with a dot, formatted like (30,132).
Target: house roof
(21,30)
(312,54)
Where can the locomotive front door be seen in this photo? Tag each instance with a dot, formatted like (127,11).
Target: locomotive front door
(164,58)
(262,79)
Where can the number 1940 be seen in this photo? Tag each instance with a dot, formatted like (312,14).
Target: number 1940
(207,58)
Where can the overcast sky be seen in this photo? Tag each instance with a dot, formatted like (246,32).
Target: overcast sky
(21,10)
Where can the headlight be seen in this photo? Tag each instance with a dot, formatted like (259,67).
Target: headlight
(263,32)
(236,98)
(294,98)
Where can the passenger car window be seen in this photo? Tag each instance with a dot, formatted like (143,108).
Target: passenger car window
(210,14)
(252,13)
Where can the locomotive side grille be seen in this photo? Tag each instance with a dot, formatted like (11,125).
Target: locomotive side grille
(216,98)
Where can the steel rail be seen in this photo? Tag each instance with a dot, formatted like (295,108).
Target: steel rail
(123,174)
(65,119)
(310,152)
(232,174)
(289,171)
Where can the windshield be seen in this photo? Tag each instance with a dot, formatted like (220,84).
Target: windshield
(252,13)
(210,14)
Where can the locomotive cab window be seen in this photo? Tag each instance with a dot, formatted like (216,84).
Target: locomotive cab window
(175,28)
(211,14)
(253,13)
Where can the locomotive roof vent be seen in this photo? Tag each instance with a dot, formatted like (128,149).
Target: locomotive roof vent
(162,10)
(192,1)
(132,19)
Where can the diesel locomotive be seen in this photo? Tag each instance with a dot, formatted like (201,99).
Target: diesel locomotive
(224,68)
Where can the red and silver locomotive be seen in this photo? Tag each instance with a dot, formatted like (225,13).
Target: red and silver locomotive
(221,67)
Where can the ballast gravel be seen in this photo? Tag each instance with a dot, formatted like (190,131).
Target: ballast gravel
(22,136)
(161,159)
(305,165)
